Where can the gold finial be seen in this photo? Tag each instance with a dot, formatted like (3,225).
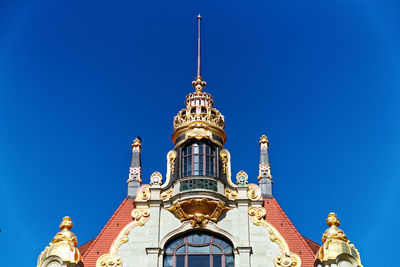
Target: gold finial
(333,232)
(66,223)
(199,83)
(332,220)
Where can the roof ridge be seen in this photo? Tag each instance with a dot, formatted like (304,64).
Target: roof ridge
(293,227)
(105,226)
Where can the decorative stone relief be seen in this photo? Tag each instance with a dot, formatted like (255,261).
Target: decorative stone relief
(287,258)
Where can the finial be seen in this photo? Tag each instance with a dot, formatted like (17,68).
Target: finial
(336,246)
(199,83)
(332,220)
(333,232)
(66,223)
(137,145)
(263,142)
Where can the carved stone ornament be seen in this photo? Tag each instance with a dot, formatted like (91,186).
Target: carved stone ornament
(231,193)
(112,259)
(198,210)
(242,179)
(156,179)
(263,142)
(287,258)
(254,192)
(264,170)
(135,174)
(143,193)
(136,146)
(166,194)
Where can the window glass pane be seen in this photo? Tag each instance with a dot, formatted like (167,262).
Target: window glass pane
(189,150)
(196,158)
(180,261)
(195,149)
(196,166)
(198,260)
(168,261)
(200,250)
(228,250)
(207,150)
(198,238)
(184,152)
(201,149)
(217,261)
(216,250)
(181,250)
(174,244)
(229,261)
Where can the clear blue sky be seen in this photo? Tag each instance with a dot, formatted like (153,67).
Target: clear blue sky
(79,80)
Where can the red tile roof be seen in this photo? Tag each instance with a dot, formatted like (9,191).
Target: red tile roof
(100,245)
(93,249)
(313,245)
(297,244)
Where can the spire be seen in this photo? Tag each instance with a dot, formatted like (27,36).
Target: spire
(198,47)
(264,169)
(336,246)
(62,248)
(199,83)
(135,170)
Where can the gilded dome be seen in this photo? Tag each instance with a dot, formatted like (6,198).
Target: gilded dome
(199,119)
(336,244)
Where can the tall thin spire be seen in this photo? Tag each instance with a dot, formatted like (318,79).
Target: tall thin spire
(199,83)
(198,48)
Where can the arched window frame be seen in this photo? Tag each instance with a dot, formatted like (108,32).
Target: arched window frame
(186,250)
(199,158)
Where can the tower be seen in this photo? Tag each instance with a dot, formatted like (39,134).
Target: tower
(200,215)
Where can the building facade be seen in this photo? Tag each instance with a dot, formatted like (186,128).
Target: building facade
(200,214)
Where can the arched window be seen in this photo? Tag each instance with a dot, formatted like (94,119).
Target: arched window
(198,159)
(198,250)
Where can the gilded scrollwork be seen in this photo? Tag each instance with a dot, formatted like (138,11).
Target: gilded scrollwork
(254,192)
(287,258)
(171,157)
(198,210)
(224,159)
(112,259)
(143,193)
(231,193)
(226,166)
(166,194)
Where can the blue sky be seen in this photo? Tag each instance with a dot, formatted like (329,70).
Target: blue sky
(79,80)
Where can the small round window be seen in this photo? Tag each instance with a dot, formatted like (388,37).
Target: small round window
(198,250)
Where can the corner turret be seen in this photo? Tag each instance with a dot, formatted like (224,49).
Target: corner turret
(336,249)
(62,251)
